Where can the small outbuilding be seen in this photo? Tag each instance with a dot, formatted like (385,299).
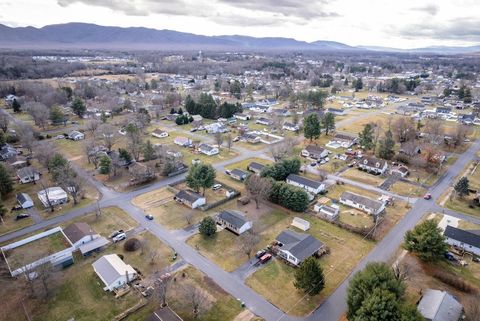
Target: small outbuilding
(113,272)
(24,200)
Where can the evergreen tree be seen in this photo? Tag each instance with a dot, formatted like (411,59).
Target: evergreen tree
(124,155)
(3,211)
(311,129)
(358,84)
(380,305)
(78,107)
(366,137)
(148,151)
(172,111)
(6,185)
(328,123)
(56,165)
(217,85)
(180,111)
(103,117)
(56,115)
(462,187)
(426,240)
(386,146)
(105,165)
(309,277)
(200,176)
(207,227)
(16,106)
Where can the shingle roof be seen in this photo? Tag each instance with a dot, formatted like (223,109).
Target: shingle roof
(256,166)
(304,181)
(238,172)
(468,237)
(22,198)
(368,202)
(77,231)
(299,245)
(314,149)
(235,218)
(372,162)
(437,305)
(110,267)
(27,172)
(188,196)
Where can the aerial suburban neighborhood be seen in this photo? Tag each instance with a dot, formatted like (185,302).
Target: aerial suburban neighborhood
(157,175)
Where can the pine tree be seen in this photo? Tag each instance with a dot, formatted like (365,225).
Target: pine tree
(462,187)
(426,240)
(56,115)
(78,107)
(201,176)
(16,106)
(386,147)
(124,155)
(105,165)
(5,181)
(207,227)
(148,151)
(380,305)
(311,129)
(309,277)
(328,123)
(366,137)
(359,84)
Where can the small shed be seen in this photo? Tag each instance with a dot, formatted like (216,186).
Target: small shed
(301,223)
(24,200)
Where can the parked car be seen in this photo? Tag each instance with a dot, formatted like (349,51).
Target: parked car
(476,259)
(260,254)
(21,216)
(427,196)
(17,208)
(265,258)
(60,137)
(149,217)
(119,237)
(217,187)
(193,130)
(449,256)
(236,139)
(115,233)
(313,164)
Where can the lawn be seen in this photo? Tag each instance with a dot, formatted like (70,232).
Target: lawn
(462,205)
(243,164)
(358,125)
(275,280)
(363,177)
(405,189)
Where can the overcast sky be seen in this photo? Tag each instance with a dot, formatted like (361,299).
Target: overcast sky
(393,23)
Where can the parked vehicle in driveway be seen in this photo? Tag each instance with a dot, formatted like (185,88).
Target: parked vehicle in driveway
(119,237)
(21,216)
(260,253)
(265,258)
(217,187)
(115,233)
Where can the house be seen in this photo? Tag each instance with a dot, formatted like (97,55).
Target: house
(113,272)
(373,165)
(233,221)
(443,110)
(238,174)
(24,200)
(336,111)
(52,196)
(208,150)
(296,247)
(314,152)
(28,175)
(242,116)
(436,305)
(117,160)
(80,233)
(159,133)
(251,138)
(7,151)
(190,199)
(76,135)
(264,121)
(291,127)
(467,240)
(183,141)
(342,140)
(362,203)
(164,314)
(329,211)
(255,167)
(216,128)
(305,183)
(401,171)
(282,112)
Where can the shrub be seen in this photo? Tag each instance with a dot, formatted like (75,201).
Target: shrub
(453,281)
(131,245)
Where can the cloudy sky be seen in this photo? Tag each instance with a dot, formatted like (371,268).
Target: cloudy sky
(393,23)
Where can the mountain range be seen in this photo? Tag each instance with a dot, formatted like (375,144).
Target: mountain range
(91,36)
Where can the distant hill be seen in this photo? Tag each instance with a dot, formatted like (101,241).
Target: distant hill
(91,36)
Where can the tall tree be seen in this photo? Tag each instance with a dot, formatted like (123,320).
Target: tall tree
(16,106)
(201,176)
(309,277)
(311,127)
(366,137)
(105,166)
(258,188)
(57,116)
(207,227)
(328,123)
(386,146)
(5,181)
(78,107)
(148,151)
(462,187)
(426,240)
(380,305)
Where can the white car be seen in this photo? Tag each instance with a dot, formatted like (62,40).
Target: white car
(217,187)
(119,237)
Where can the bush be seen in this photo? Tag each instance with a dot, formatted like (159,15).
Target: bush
(453,281)
(207,227)
(131,245)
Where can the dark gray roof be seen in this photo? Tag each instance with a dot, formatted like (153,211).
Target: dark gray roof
(314,149)
(77,231)
(188,196)
(344,137)
(235,218)
(205,147)
(372,162)
(468,237)
(437,305)
(22,198)
(288,124)
(27,172)
(368,202)
(304,181)
(299,245)
(256,166)
(238,172)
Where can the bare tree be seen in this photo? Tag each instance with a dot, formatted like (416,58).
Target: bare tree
(377,131)
(196,297)
(248,241)
(44,152)
(218,139)
(92,153)
(229,141)
(162,285)
(25,135)
(45,273)
(4,120)
(258,188)
(283,149)
(404,129)
(72,182)
(188,217)
(435,130)
(460,134)
(92,127)
(39,113)
(108,135)
(141,173)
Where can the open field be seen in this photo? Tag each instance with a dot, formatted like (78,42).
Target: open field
(405,189)
(363,177)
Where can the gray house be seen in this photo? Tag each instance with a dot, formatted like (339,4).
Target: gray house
(238,174)
(255,167)
(28,175)
(233,221)
(437,305)
(464,239)
(296,247)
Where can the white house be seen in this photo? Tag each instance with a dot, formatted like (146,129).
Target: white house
(28,175)
(242,116)
(159,133)
(314,152)
(342,140)
(466,240)
(305,183)
(291,127)
(183,141)
(233,221)
(329,211)
(24,200)
(215,128)
(263,121)
(190,199)
(362,203)
(296,247)
(113,272)
(373,165)
(76,135)
(401,171)
(80,233)
(208,150)
(52,196)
